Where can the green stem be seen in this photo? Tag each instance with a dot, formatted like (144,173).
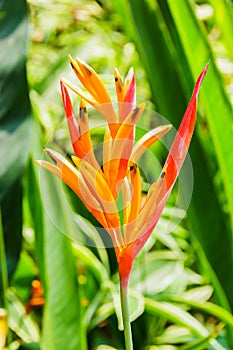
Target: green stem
(125,313)
(83,326)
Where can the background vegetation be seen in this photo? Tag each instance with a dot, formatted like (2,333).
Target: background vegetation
(181,286)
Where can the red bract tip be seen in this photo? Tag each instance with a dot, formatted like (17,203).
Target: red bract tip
(129,101)
(130,95)
(183,137)
(71,119)
(201,77)
(66,100)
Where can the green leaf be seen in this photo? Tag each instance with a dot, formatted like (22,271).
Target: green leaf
(203,343)
(103,312)
(208,307)
(14,121)
(105,347)
(90,260)
(14,101)
(36,210)
(11,206)
(93,238)
(159,272)
(63,317)
(62,324)
(25,326)
(93,306)
(199,294)
(162,347)
(175,314)
(180,317)
(24,274)
(174,335)
(223,19)
(62,314)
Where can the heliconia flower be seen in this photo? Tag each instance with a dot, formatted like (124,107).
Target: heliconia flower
(99,185)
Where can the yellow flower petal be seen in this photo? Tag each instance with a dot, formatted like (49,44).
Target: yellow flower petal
(106,109)
(93,81)
(72,177)
(119,86)
(49,166)
(100,190)
(127,197)
(135,182)
(3,328)
(86,95)
(147,140)
(135,203)
(107,145)
(127,126)
(156,194)
(121,149)
(85,136)
(78,71)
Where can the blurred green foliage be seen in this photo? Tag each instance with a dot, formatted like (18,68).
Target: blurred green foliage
(181,285)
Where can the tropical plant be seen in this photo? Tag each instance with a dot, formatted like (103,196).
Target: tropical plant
(180,292)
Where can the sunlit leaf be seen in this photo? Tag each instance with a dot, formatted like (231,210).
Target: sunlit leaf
(199,294)
(25,326)
(173,335)
(208,307)
(103,312)
(180,317)
(159,272)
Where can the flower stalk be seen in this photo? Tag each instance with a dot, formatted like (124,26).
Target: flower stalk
(125,313)
(99,185)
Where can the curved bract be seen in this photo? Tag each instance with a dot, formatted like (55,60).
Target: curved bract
(98,185)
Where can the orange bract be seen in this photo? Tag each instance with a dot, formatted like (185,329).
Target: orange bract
(37,296)
(98,186)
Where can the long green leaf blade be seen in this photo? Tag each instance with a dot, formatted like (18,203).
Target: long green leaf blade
(63,325)
(14,122)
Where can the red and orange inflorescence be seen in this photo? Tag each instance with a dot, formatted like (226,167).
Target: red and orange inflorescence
(98,186)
